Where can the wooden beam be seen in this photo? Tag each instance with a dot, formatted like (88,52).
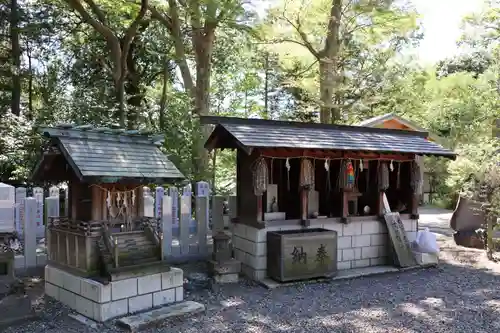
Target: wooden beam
(332,154)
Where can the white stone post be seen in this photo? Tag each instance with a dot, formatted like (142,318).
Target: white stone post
(20,197)
(30,229)
(202,216)
(7,202)
(185,219)
(149,202)
(159,194)
(52,209)
(173,193)
(54,191)
(166,227)
(38,195)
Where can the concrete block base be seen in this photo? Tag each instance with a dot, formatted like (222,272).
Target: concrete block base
(360,244)
(101,302)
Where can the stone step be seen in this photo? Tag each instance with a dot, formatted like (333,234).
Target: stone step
(150,318)
(138,261)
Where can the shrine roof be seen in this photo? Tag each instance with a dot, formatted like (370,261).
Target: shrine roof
(108,155)
(258,133)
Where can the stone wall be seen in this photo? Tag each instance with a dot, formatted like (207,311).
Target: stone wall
(103,302)
(360,243)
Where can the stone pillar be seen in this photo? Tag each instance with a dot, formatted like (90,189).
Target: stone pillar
(173,193)
(52,208)
(202,216)
(20,197)
(166,228)
(7,211)
(185,219)
(223,268)
(66,202)
(149,202)
(233,211)
(159,194)
(40,228)
(30,229)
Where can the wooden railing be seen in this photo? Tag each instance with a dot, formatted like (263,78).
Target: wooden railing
(111,243)
(151,227)
(92,228)
(73,243)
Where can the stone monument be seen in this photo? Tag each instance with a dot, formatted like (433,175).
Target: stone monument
(222,267)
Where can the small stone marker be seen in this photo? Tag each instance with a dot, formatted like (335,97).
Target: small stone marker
(222,267)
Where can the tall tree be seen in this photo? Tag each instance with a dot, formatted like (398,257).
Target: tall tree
(196,21)
(16,57)
(119,44)
(331,31)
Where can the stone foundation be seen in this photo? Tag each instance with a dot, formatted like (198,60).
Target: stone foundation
(118,298)
(360,244)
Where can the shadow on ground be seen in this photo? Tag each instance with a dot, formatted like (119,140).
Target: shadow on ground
(455,297)
(461,295)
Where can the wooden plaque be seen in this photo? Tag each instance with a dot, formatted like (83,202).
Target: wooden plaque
(400,243)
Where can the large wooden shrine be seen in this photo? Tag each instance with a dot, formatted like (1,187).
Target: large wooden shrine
(105,233)
(294,175)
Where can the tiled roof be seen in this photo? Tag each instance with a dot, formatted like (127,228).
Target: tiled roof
(279,134)
(112,154)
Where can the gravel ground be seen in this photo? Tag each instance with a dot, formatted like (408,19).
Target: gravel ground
(462,295)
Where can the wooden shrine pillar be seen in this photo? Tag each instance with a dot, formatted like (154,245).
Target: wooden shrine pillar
(380,203)
(304,207)
(415,199)
(344,207)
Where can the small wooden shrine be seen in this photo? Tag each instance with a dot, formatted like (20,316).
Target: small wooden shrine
(297,175)
(105,232)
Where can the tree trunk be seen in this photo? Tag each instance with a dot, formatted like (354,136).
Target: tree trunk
(163,100)
(328,63)
(204,49)
(120,98)
(135,96)
(16,58)
(326,85)
(266,85)
(30,85)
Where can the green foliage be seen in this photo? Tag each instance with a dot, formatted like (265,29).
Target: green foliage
(18,149)
(475,63)
(371,34)
(472,163)
(260,70)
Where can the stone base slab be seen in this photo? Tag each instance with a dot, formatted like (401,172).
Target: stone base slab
(20,261)
(103,302)
(224,267)
(425,259)
(341,275)
(15,309)
(226,278)
(150,318)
